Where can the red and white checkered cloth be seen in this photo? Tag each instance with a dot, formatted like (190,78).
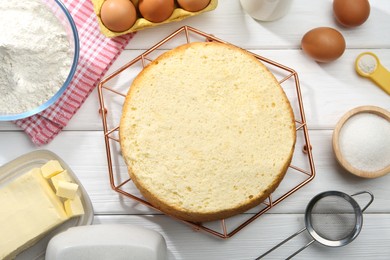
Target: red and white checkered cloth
(96,55)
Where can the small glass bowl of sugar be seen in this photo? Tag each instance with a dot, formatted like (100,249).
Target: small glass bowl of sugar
(361,141)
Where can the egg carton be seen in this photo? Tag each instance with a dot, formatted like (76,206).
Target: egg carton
(141,23)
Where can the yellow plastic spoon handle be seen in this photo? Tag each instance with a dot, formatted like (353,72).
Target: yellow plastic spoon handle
(381,76)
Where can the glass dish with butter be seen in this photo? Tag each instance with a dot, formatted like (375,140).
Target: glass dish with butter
(40,197)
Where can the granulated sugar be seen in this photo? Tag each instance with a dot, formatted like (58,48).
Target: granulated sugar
(35,55)
(365,142)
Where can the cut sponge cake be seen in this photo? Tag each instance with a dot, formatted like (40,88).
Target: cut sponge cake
(206,132)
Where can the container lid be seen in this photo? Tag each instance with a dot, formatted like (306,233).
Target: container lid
(107,241)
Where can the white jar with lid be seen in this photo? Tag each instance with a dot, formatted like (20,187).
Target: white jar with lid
(266,10)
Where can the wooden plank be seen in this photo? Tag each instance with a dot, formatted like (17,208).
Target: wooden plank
(84,152)
(230,23)
(329,90)
(184,243)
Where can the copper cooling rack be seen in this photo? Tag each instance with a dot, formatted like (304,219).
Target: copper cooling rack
(113,89)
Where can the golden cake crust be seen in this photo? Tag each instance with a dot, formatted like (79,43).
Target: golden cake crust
(206,132)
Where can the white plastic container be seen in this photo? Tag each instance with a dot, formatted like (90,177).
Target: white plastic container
(107,241)
(24,164)
(266,10)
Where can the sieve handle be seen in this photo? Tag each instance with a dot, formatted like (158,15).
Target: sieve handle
(371,199)
(281,243)
(300,250)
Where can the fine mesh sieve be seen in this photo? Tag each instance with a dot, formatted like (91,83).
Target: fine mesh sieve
(332,218)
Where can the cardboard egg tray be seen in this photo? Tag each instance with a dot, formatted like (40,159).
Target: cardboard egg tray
(141,23)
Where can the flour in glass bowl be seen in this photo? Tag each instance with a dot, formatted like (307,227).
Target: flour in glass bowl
(35,55)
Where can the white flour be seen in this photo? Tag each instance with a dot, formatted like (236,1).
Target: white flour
(35,55)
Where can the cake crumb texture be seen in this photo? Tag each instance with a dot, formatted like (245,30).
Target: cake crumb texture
(206,131)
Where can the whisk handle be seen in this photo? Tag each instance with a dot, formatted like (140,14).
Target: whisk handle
(281,243)
(371,199)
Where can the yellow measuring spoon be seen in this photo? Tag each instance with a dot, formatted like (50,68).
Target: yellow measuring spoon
(368,65)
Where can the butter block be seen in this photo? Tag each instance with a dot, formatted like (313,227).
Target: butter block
(51,168)
(66,189)
(74,207)
(62,176)
(29,209)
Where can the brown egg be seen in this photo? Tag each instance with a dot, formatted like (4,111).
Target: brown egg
(193,5)
(351,13)
(156,11)
(118,15)
(323,44)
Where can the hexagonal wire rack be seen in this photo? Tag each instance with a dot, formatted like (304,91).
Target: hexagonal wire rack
(295,178)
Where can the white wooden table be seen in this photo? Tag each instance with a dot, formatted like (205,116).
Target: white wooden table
(329,90)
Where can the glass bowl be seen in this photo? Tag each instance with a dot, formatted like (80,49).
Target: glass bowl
(64,17)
